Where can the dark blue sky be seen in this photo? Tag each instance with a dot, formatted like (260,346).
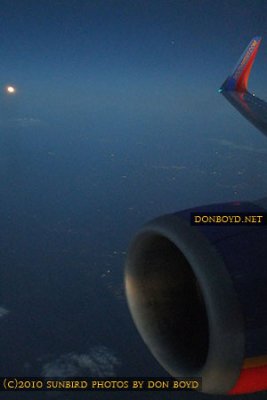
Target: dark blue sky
(124,57)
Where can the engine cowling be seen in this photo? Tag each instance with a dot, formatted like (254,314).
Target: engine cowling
(198,297)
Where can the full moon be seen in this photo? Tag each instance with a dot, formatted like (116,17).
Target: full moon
(10,89)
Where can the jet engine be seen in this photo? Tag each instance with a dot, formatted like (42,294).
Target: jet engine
(198,296)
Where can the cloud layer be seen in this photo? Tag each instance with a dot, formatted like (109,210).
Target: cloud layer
(99,362)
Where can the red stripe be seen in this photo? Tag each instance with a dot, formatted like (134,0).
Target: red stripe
(251,380)
(242,82)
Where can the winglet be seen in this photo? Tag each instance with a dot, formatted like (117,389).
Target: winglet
(238,81)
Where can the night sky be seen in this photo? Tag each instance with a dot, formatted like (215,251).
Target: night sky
(116,119)
(125,59)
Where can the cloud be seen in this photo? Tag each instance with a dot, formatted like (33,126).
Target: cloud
(3,312)
(99,362)
(27,121)
(22,122)
(242,147)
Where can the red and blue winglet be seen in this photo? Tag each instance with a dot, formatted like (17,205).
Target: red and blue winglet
(238,81)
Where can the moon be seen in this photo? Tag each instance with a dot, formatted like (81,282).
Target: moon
(10,89)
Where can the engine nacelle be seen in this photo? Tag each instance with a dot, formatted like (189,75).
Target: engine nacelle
(198,297)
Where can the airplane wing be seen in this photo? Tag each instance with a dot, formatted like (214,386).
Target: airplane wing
(235,89)
(197,294)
